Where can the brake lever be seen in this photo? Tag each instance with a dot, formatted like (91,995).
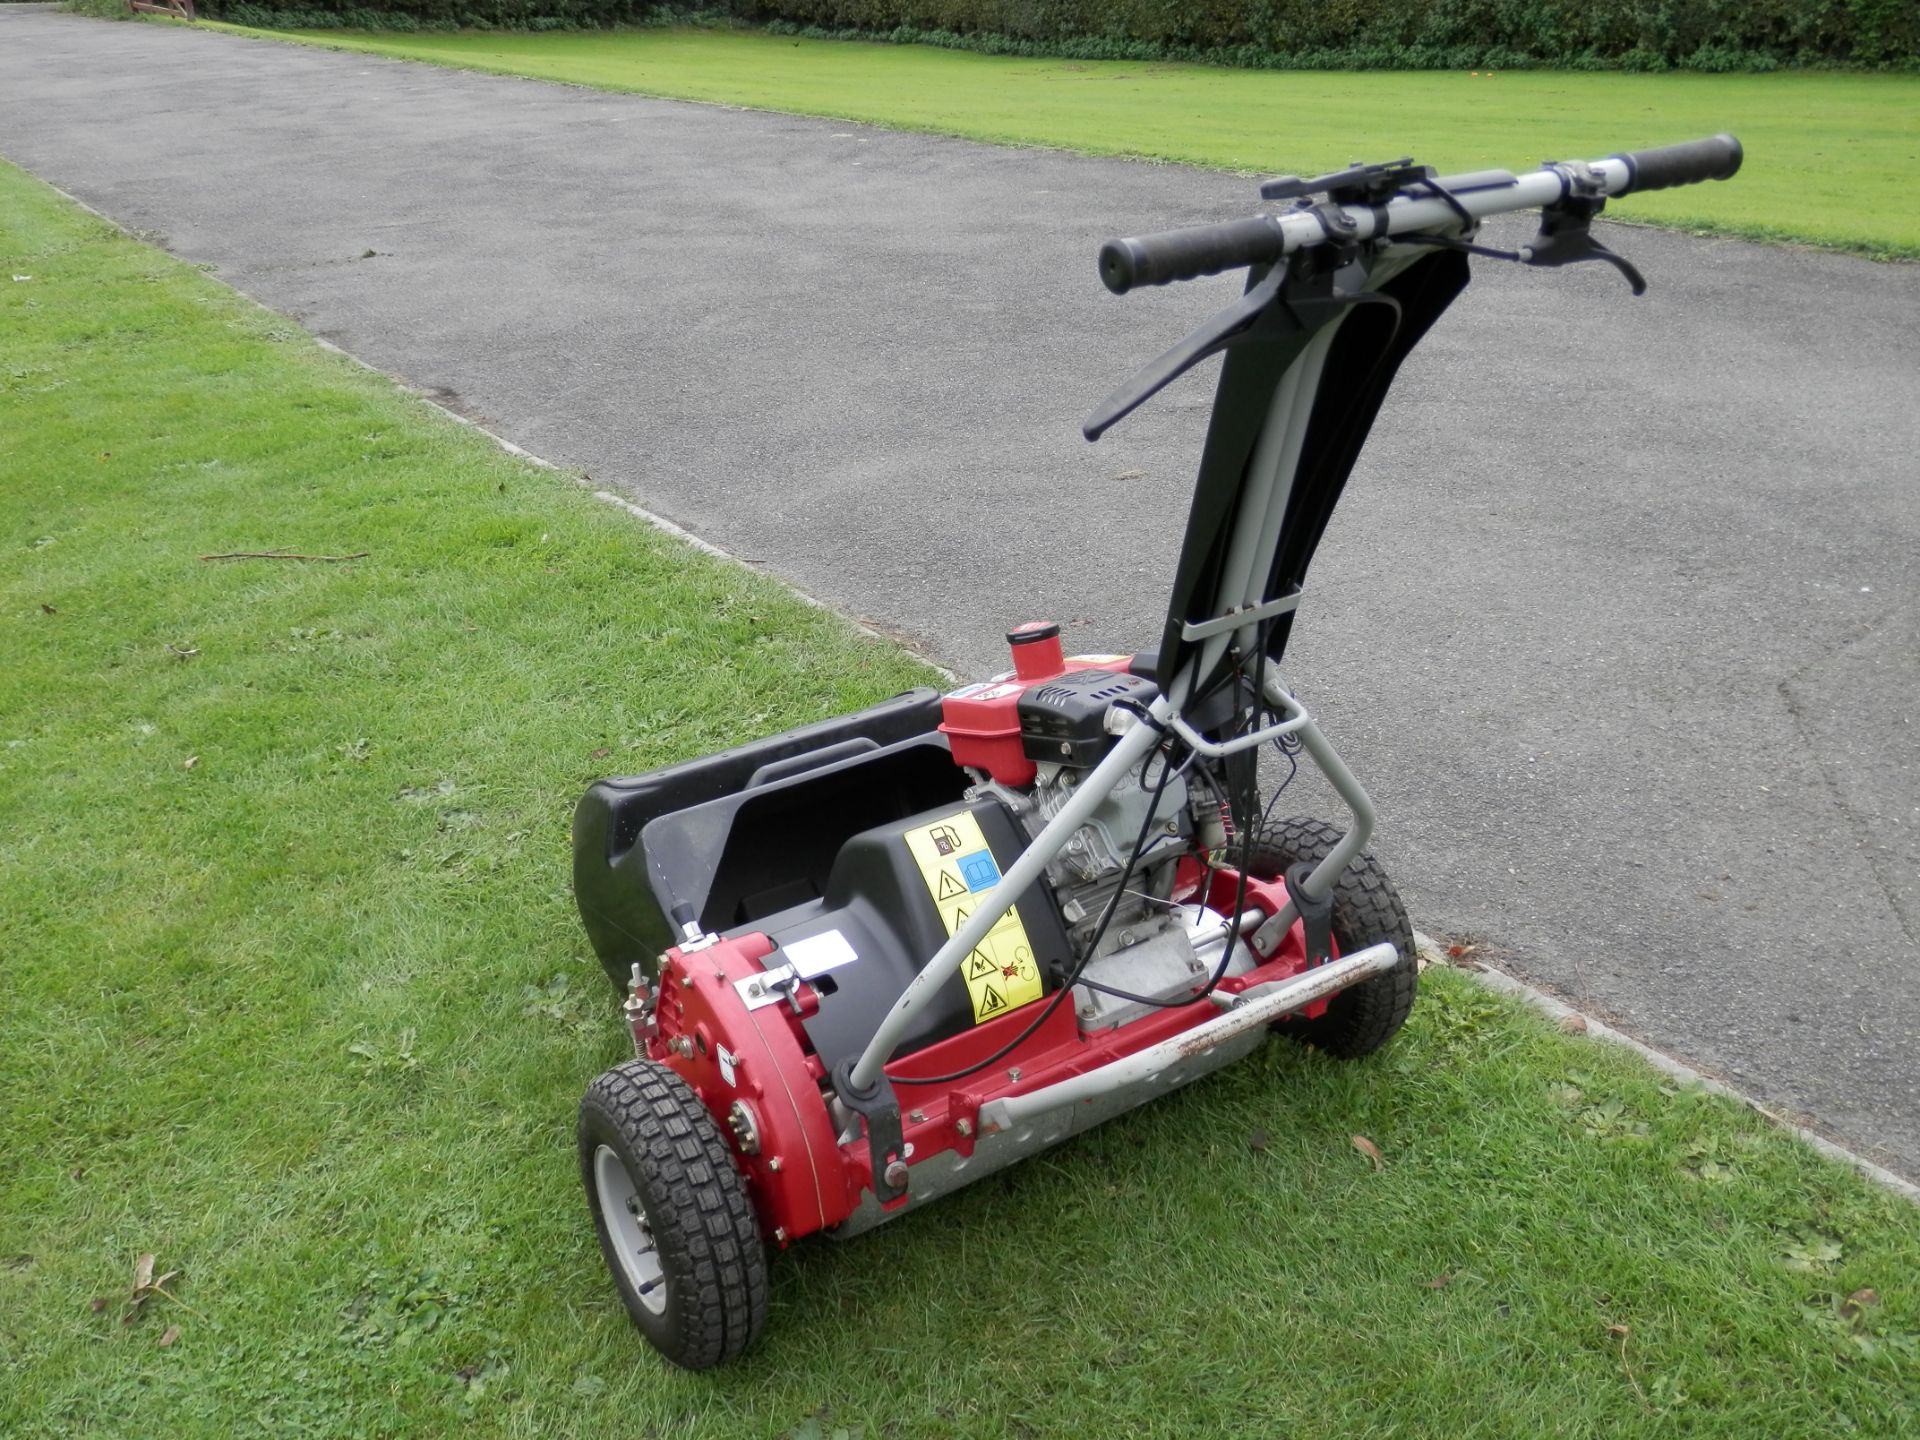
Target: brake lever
(1566,238)
(1223,330)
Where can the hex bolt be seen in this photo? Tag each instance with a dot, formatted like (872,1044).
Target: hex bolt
(1013,1074)
(897,1174)
(779,1234)
(774,1164)
(963,1127)
(918,1117)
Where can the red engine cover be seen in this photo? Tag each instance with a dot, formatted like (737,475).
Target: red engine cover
(982,721)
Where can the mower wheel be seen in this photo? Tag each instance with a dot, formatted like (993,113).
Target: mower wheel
(671,1209)
(1366,910)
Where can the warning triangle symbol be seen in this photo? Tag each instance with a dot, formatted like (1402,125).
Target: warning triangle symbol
(979,966)
(959,918)
(950,886)
(990,1001)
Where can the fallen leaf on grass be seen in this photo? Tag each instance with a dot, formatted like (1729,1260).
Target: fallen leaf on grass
(1462,952)
(145,1287)
(190,762)
(1574,1024)
(1367,1148)
(601,753)
(1440,1281)
(169,1335)
(46,609)
(1619,1332)
(97,1304)
(1257,1140)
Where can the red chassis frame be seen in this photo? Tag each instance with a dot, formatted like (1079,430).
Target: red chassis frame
(801,1177)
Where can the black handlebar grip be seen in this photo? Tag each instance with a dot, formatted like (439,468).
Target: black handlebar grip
(1187,254)
(1716,158)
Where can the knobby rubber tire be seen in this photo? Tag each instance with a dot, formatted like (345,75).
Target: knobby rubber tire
(703,1226)
(1366,911)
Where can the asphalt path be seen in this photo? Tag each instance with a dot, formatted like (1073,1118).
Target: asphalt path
(1620,620)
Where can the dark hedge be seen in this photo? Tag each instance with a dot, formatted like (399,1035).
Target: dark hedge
(1276,34)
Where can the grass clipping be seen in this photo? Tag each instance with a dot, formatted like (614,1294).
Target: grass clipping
(298,1003)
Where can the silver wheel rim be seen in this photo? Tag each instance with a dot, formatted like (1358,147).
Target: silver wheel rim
(630,1230)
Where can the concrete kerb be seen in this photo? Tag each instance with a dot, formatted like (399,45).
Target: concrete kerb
(1431,951)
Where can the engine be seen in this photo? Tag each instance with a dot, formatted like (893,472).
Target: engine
(1031,738)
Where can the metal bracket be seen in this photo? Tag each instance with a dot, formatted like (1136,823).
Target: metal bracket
(1199,743)
(880,1108)
(769,987)
(806,958)
(1582,181)
(1316,916)
(1245,615)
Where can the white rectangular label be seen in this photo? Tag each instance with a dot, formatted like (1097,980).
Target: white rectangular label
(818,954)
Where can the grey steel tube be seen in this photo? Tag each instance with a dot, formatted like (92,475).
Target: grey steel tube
(1283,997)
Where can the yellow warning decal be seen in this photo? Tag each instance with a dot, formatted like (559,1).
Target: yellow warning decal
(958,867)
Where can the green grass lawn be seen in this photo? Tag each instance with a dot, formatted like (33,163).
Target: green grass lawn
(1821,147)
(295,1001)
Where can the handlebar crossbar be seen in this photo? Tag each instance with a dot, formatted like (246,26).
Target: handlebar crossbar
(1374,201)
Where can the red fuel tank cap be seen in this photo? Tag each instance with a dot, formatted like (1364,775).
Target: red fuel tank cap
(1036,650)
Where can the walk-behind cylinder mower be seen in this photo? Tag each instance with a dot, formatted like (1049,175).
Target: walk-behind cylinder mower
(874,959)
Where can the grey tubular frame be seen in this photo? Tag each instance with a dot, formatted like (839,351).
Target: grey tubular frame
(1251,549)
(1131,748)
